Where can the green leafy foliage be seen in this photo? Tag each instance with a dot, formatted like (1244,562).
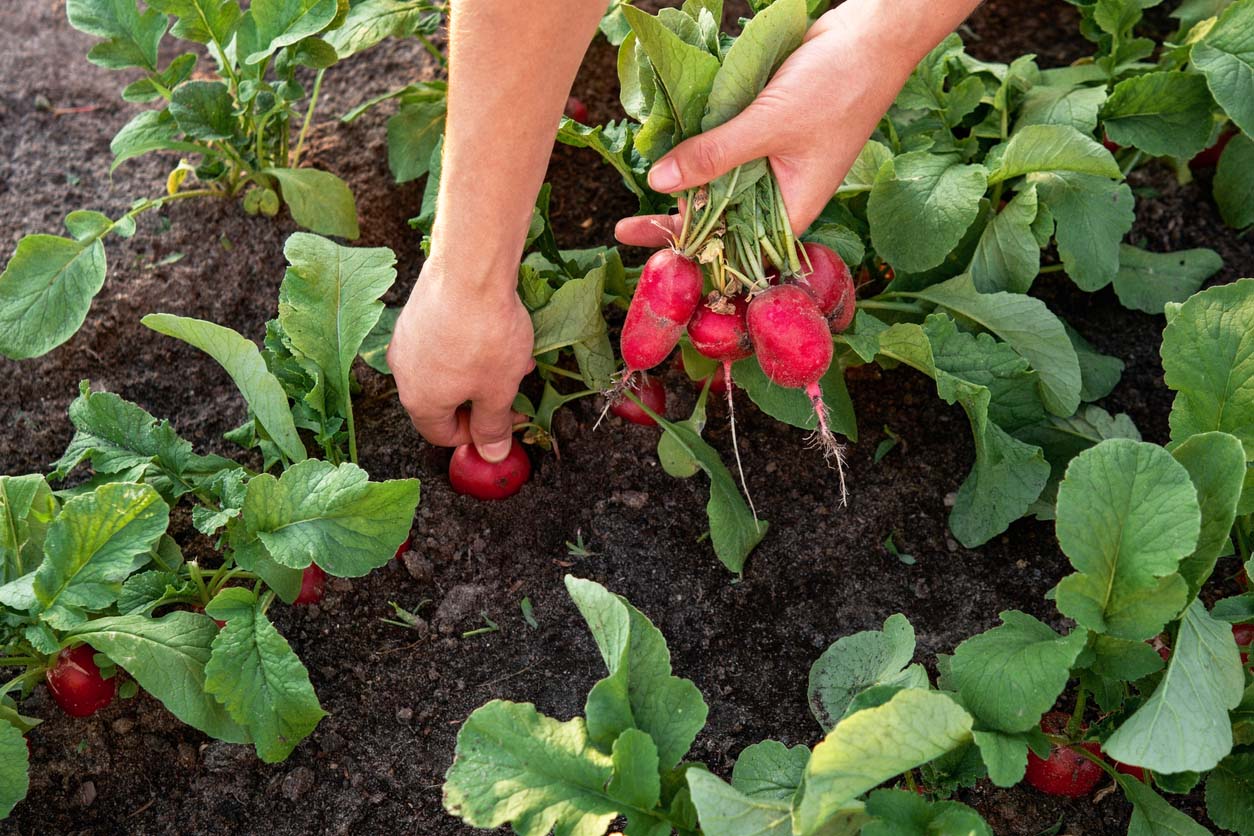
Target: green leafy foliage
(861,661)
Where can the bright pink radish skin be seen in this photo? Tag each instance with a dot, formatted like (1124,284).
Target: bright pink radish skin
(831,284)
(794,348)
(721,334)
(666,297)
(652,392)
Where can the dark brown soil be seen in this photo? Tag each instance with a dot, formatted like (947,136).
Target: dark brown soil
(397,697)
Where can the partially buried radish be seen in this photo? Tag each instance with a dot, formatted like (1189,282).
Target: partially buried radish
(471,474)
(1065,772)
(313,583)
(76,684)
(577,110)
(829,281)
(794,348)
(651,392)
(666,296)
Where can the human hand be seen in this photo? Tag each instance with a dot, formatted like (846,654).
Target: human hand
(810,121)
(458,341)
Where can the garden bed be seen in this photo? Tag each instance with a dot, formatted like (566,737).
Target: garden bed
(396,697)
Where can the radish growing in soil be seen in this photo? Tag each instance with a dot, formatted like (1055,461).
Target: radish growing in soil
(794,348)
(1065,772)
(313,583)
(577,110)
(1244,635)
(472,475)
(76,684)
(652,392)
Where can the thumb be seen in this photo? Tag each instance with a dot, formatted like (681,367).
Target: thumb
(492,429)
(707,156)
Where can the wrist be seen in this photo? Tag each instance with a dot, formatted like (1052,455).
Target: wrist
(900,33)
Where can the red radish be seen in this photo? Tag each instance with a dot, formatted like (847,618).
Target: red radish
(577,110)
(831,284)
(470,474)
(1244,635)
(1243,580)
(718,330)
(718,384)
(652,392)
(1135,771)
(666,297)
(1210,157)
(404,547)
(794,347)
(1065,772)
(76,683)
(313,583)
(198,608)
(1111,146)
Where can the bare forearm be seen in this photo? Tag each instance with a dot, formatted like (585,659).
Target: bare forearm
(511,67)
(903,31)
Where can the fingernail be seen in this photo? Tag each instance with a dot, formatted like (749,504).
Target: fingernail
(496,451)
(664,176)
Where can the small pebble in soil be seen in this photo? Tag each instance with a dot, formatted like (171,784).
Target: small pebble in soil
(340,585)
(635,500)
(404,714)
(461,604)
(224,757)
(123,725)
(419,568)
(86,794)
(297,782)
(951,499)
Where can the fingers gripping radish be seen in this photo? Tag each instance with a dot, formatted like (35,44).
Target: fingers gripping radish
(829,281)
(794,348)
(666,297)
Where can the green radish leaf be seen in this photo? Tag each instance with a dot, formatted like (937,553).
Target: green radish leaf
(150,88)
(1234,182)
(167,657)
(1148,281)
(903,813)
(27,507)
(572,315)
(14,768)
(1054,148)
(640,691)
(1007,256)
(1009,676)
(847,243)
(91,547)
(369,22)
(374,348)
(734,529)
(861,176)
(204,110)
(1184,724)
(201,21)
(320,201)
(726,811)
(1092,215)
(45,292)
(131,38)
(328,304)
(1008,474)
(144,592)
(1226,57)
(1216,464)
(281,23)
(514,765)
(1004,755)
(1028,326)
(920,206)
(636,782)
(253,672)
(1192,12)
(672,455)
(1229,794)
(148,130)
(332,516)
(1076,107)
(860,661)
(686,72)
(1127,515)
(770,771)
(115,436)
(1164,114)
(1123,660)
(1153,816)
(1099,373)
(242,361)
(766,40)
(792,406)
(412,136)
(873,745)
(615,142)
(1062,439)
(1208,359)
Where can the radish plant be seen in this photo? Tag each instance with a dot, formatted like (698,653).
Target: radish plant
(93,585)
(239,125)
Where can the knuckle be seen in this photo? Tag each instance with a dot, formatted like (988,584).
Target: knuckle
(708,156)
